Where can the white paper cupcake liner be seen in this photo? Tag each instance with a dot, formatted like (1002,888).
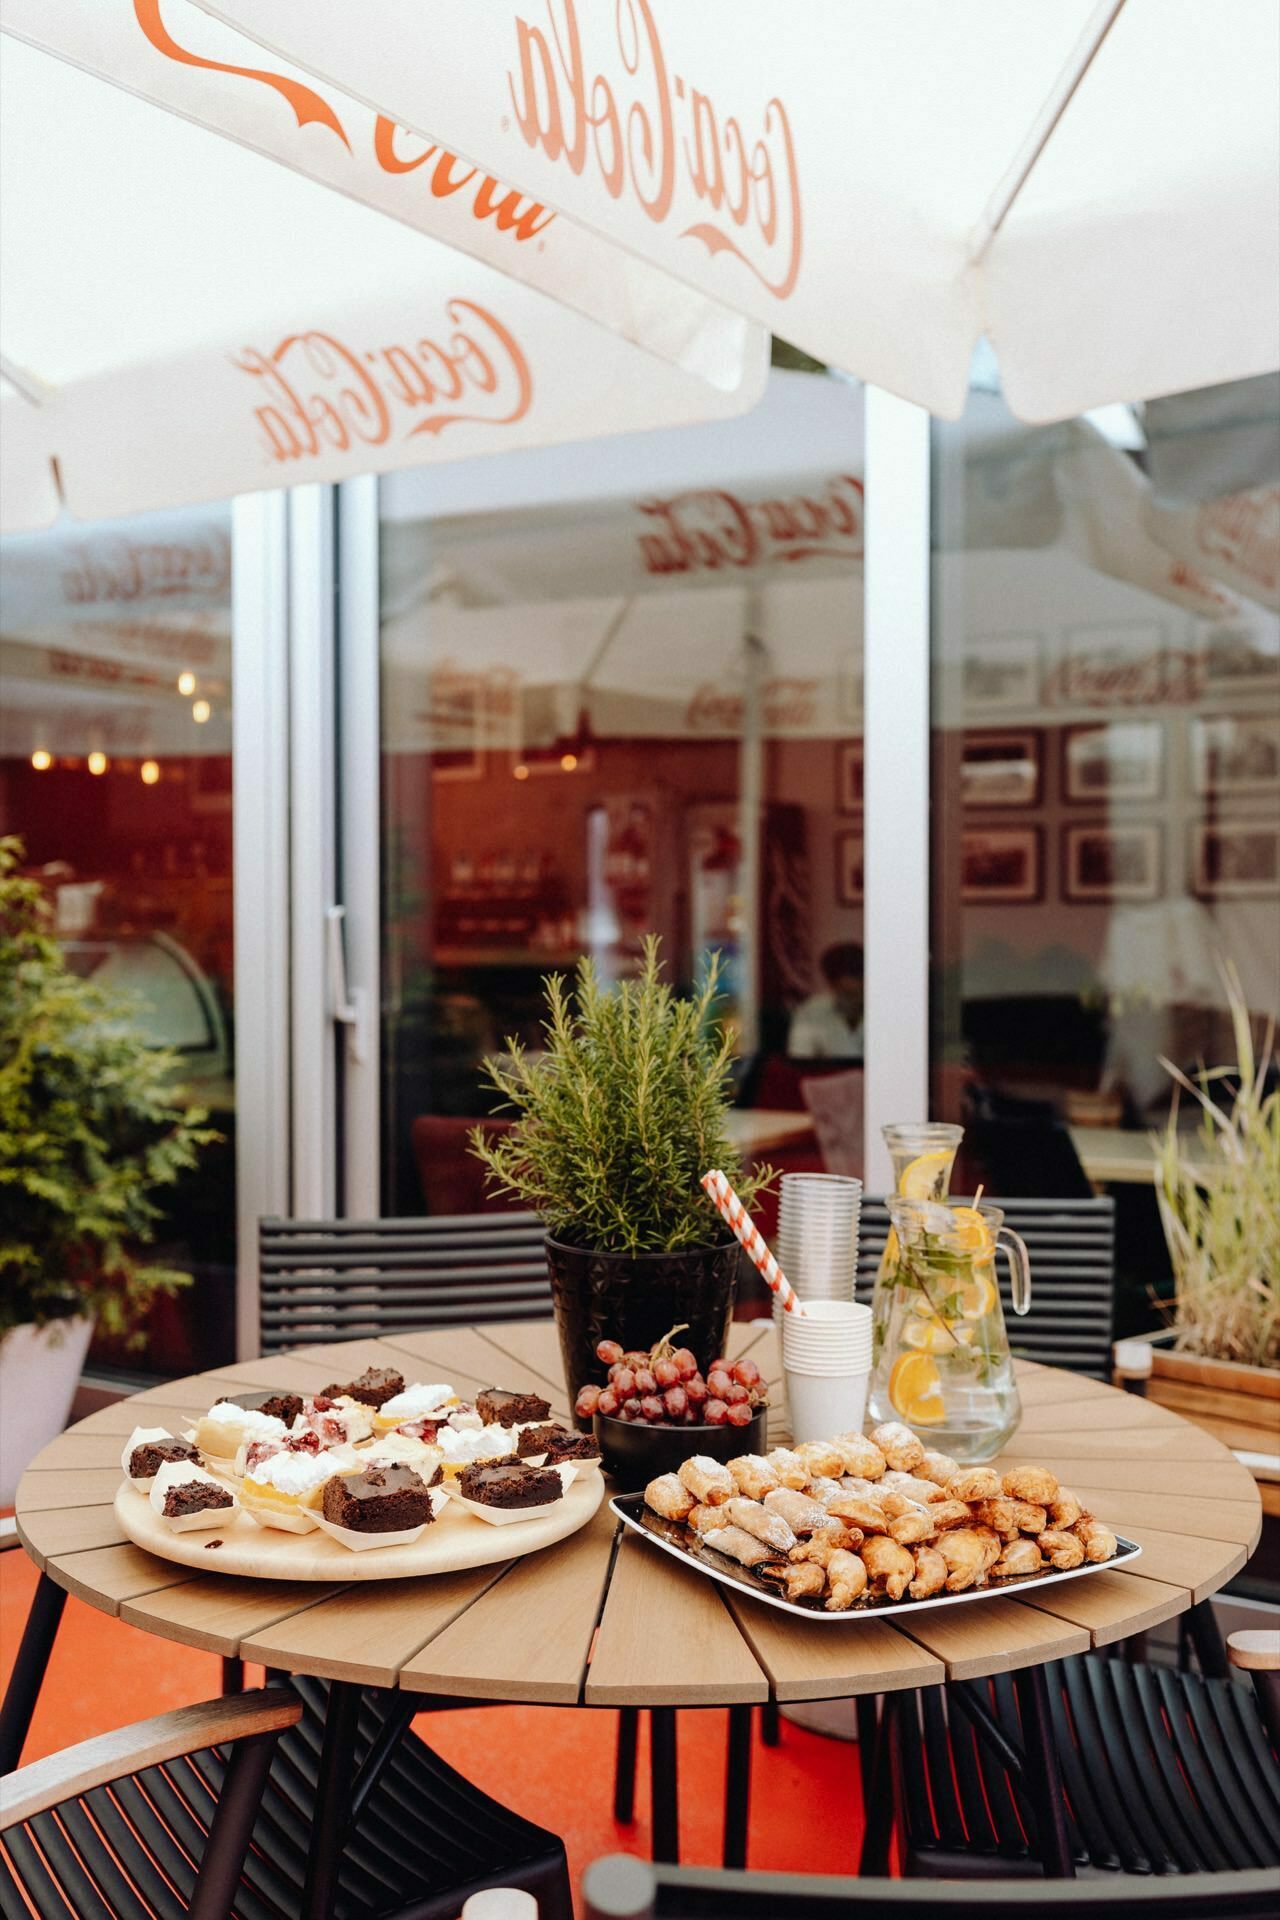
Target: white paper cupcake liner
(280,1520)
(359,1542)
(505,1516)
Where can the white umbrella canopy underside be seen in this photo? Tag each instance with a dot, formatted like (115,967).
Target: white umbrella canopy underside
(185,319)
(1094,185)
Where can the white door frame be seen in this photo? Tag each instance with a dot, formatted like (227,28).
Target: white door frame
(336,823)
(260,882)
(896,682)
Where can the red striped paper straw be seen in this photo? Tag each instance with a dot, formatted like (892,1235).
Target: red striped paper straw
(750,1238)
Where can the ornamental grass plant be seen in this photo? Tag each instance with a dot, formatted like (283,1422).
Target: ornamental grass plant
(1221,1210)
(621,1113)
(90,1133)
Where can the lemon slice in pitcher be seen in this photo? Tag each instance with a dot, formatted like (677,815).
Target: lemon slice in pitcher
(927,1176)
(915,1390)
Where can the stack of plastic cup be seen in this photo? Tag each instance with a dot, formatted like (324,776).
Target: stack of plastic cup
(817,1244)
(826,1359)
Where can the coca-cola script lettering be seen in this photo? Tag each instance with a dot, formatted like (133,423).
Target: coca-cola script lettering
(317,395)
(654,136)
(711,529)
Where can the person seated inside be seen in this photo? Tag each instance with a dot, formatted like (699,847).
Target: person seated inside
(828,1026)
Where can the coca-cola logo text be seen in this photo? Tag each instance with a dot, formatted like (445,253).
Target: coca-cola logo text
(652,135)
(711,529)
(319,395)
(1244,530)
(1175,678)
(123,570)
(784,704)
(394,151)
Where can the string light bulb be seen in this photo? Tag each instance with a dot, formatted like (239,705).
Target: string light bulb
(97,762)
(521,772)
(186,684)
(42,759)
(569,762)
(149,772)
(200,711)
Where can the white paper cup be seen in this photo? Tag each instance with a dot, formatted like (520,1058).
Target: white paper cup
(826,1357)
(823,1404)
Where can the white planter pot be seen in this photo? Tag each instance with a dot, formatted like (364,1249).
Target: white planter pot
(39,1371)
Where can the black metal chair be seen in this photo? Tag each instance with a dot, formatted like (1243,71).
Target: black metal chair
(326,1280)
(1072,1244)
(90,1833)
(622,1888)
(1162,1772)
(417,1842)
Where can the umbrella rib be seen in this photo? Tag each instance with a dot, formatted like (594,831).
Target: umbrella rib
(32,390)
(1082,56)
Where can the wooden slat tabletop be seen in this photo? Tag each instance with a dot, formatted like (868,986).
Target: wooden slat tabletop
(609,1623)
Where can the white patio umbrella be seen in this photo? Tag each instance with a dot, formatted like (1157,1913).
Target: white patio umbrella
(1092,184)
(185,318)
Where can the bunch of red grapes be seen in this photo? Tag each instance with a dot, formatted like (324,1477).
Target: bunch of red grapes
(666,1387)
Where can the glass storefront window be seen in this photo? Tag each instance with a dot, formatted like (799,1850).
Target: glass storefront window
(621,693)
(115,772)
(1106,732)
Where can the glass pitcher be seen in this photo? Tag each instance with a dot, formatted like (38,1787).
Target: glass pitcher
(940,1358)
(923,1153)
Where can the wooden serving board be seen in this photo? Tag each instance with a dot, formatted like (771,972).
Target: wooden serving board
(452,1543)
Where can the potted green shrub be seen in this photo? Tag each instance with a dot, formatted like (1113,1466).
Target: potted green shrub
(617,1119)
(90,1135)
(1218,1190)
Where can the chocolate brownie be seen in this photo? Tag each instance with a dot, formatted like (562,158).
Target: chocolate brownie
(379,1500)
(498,1407)
(146,1461)
(557,1443)
(280,1406)
(375,1386)
(513,1483)
(194,1496)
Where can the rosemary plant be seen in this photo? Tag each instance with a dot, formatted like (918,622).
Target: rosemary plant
(621,1114)
(1221,1213)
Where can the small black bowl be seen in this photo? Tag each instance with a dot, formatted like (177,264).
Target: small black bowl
(635,1452)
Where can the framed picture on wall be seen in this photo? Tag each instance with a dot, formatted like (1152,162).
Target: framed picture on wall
(1102,863)
(1236,753)
(1002,673)
(849,869)
(849,763)
(1001,866)
(1236,860)
(1116,760)
(1001,769)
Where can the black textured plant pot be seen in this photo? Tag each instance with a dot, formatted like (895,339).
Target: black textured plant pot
(634,1299)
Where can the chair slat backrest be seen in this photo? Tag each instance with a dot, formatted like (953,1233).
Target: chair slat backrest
(341,1279)
(1072,1244)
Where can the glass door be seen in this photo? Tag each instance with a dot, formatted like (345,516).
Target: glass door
(116,775)
(621,693)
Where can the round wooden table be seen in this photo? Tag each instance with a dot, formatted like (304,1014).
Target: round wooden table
(603,1623)
(575,1625)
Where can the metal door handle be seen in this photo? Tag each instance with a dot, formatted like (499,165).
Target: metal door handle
(350,1008)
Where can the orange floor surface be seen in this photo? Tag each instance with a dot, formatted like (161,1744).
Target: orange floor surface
(805,1801)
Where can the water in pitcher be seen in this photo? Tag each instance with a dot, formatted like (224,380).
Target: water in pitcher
(940,1357)
(923,1153)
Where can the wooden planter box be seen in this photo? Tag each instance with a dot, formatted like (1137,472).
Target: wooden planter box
(1239,1405)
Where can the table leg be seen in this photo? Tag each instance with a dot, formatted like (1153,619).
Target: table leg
(664,1793)
(232,1674)
(29,1669)
(737,1787)
(333,1798)
(624,1769)
(1042,1777)
(877,1808)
